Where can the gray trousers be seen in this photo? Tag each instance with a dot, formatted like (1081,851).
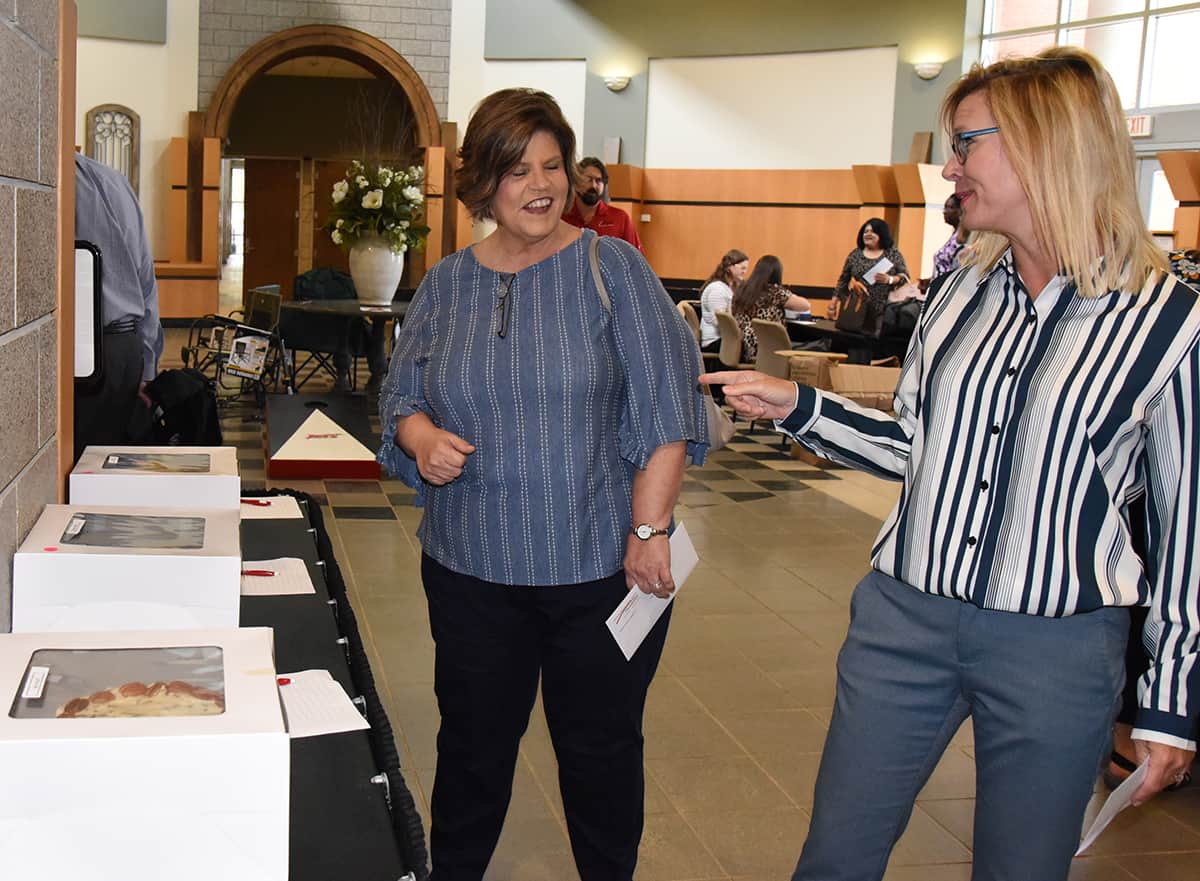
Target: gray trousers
(1041,692)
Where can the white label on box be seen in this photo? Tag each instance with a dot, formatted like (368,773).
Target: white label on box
(114,459)
(75,525)
(35,683)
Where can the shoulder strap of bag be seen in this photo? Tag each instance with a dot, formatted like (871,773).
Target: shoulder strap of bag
(594,260)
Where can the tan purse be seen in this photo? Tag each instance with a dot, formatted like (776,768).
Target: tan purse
(720,426)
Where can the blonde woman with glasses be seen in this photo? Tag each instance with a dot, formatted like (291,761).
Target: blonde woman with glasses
(1052,382)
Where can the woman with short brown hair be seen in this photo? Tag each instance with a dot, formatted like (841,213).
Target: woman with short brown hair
(545,426)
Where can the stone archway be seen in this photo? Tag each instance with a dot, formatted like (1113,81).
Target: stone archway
(357,47)
(320,39)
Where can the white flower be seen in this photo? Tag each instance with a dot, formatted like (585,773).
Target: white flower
(403,224)
(373,199)
(414,195)
(385,177)
(340,223)
(361,182)
(340,189)
(336,235)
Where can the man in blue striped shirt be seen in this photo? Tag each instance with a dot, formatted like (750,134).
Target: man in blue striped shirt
(1050,383)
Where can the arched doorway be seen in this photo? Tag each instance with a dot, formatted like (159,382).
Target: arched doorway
(278,252)
(320,39)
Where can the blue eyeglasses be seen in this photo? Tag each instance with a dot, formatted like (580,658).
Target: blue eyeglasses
(961,141)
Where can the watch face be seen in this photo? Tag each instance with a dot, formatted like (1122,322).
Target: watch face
(644,531)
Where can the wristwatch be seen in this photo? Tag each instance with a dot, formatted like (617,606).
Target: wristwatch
(645,531)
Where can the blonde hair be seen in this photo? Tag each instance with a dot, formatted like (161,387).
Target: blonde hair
(1063,129)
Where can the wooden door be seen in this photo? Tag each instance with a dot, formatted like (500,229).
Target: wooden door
(272,224)
(326,172)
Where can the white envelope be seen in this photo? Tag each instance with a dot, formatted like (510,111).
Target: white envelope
(638,612)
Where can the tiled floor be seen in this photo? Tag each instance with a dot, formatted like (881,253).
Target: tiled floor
(737,714)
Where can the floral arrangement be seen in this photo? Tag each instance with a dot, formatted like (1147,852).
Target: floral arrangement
(375,199)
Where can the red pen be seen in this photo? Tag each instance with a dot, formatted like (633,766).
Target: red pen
(260,503)
(260,573)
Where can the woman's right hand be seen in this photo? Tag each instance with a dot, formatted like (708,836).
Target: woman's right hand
(755,394)
(441,455)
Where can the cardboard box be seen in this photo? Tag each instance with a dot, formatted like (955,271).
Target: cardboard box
(811,368)
(873,387)
(100,567)
(184,797)
(157,477)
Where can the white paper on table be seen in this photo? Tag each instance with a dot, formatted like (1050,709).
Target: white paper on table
(291,577)
(314,703)
(1118,801)
(270,508)
(883,267)
(637,613)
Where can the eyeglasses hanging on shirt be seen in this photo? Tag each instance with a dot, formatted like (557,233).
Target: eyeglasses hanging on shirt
(503,305)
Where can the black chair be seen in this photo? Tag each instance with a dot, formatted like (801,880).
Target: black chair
(332,343)
(214,340)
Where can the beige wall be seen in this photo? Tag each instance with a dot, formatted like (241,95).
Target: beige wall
(28,273)
(158,82)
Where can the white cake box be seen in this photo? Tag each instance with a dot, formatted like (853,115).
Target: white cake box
(186,797)
(157,477)
(100,567)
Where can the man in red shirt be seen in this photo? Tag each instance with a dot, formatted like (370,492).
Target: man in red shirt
(590,211)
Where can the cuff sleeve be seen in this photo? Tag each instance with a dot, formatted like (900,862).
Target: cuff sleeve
(803,415)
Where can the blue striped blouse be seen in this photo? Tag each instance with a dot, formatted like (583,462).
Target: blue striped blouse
(562,410)
(1023,430)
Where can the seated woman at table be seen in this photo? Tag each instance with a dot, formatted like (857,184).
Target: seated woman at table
(875,243)
(545,430)
(717,296)
(763,296)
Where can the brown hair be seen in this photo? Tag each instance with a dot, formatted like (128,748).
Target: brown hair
(1063,128)
(497,135)
(732,258)
(764,278)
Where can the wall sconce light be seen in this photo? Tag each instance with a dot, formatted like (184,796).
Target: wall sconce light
(616,83)
(927,70)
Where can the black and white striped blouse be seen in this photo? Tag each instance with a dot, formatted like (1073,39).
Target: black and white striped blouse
(1023,430)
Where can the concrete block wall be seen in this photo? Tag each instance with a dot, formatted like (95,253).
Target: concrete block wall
(417,29)
(28,273)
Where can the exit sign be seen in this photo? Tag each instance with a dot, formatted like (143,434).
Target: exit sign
(1139,126)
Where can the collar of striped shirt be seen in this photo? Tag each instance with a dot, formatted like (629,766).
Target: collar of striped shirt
(1025,432)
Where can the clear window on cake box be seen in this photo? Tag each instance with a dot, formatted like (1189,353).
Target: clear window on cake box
(109,530)
(122,683)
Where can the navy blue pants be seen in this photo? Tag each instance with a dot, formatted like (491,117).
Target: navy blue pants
(1041,693)
(493,641)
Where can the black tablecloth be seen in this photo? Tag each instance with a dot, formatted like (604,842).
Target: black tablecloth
(861,348)
(346,822)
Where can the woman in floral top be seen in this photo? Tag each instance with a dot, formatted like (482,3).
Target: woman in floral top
(874,244)
(762,295)
(1186,265)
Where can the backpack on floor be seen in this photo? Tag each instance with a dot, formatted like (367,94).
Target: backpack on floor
(185,409)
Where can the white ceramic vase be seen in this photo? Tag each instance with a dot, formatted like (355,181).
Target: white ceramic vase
(376,270)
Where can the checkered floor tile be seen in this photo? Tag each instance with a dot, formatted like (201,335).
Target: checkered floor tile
(754,466)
